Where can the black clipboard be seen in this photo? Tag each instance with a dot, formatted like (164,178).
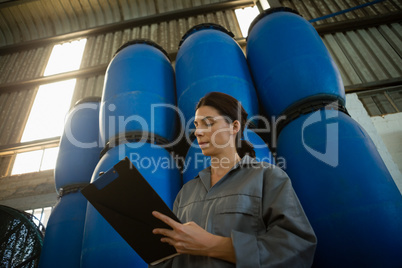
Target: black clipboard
(126,200)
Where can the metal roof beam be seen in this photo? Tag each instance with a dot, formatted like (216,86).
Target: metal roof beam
(31,83)
(166,16)
(86,72)
(10,3)
(350,25)
(12,149)
(374,85)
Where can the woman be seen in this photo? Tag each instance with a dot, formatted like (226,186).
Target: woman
(238,212)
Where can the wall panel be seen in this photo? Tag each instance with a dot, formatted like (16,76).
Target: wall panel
(45,18)
(367,55)
(24,65)
(14,110)
(88,87)
(311,9)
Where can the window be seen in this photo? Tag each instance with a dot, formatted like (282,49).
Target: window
(52,102)
(382,102)
(65,57)
(41,215)
(264,4)
(35,161)
(245,16)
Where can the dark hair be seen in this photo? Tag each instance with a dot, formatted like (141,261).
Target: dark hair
(231,108)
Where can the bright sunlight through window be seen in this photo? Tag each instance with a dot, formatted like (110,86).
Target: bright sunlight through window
(245,16)
(52,102)
(65,57)
(264,4)
(27,162)
(41,215)
(50,107)
(35,161)
(49,158)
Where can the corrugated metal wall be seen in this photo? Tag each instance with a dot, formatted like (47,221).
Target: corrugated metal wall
(364,55)
(39,19)
(15,105)
(382,102)
(14,110)
(311,9)
(367,55)
(23,65)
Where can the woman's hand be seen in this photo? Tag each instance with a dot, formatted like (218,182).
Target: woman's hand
(190,238)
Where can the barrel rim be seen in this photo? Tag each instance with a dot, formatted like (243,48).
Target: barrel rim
(201,26)
(88,99)
(71,188)
(310,105)
(142,41)
(133,137)
(270,11)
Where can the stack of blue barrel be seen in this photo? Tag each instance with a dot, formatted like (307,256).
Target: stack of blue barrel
(137,118)
(346,190)
(208,60)
(77,158)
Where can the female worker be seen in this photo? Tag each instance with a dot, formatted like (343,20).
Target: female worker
(238,212)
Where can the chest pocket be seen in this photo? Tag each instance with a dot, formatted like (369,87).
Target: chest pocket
(237,212)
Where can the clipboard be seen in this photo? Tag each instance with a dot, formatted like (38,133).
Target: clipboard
(126,200)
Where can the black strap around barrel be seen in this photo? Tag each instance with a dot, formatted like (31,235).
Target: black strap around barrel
(142,41)
(270,11)
(201,26)
(134,136)
(88,99)
(309,105)
(68,189)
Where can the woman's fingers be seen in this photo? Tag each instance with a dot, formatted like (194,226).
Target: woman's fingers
(170,241)
(164,232)
(186,238)
(190,238)
(169,221)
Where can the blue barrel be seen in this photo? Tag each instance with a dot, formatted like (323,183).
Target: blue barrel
(196,161)
(289,62)
(102,245)
(64,231)
(139,92)
(79,146)
(209,59)
(346,190)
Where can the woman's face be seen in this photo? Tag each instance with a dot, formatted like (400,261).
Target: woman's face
(214,134)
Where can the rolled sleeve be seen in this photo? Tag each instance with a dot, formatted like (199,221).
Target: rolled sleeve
(246,250)
(289,240)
